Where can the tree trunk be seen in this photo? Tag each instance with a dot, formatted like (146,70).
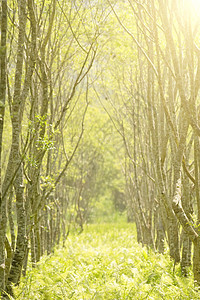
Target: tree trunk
(3,219)
(173,237)
(160,238)
(15,163)
(196,262)
(186,254)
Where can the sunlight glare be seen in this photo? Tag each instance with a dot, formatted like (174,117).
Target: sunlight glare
(192,6)
(195,4)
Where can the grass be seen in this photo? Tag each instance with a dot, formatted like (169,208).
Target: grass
(105,262)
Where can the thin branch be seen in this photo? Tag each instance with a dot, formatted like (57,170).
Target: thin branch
(134,39)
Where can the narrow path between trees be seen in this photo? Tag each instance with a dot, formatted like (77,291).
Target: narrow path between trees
(105,262)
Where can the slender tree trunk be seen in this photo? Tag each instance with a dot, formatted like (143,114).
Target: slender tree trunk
(196,255)
(196,262)
(15,163)
(160,237)
(3,218)
(186,254)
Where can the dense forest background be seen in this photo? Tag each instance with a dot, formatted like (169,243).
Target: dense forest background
(99,116)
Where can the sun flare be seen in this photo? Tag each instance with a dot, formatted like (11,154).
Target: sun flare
(195,4)
(192,7)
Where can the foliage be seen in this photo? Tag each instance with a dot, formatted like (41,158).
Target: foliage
(97,181)
(105,262)
(84,103)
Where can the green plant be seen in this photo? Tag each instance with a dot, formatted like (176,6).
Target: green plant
(105,262)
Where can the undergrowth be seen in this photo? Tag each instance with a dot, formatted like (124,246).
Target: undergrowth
(105,262)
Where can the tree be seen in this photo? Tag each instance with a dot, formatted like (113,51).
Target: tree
(2,113)
(41,65)
(167,77)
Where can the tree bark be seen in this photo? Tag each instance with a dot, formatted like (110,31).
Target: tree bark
(3,218)
(15,163)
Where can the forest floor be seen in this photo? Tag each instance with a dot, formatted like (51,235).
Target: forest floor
(105,262)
